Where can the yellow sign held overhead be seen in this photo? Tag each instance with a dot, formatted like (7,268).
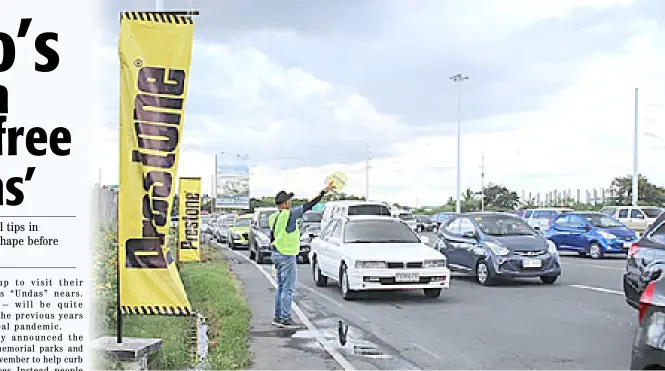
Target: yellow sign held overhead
(338,179)
(155,52)
(189,220)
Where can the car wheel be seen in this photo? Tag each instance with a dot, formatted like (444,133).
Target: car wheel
(548,280)
(305,259)
(483,274)
(432,293)
(319,279)
(595,251)
(347,293)
(259,257)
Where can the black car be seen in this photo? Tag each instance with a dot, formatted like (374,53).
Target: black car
(424,223)
(649,342)
(307,235)
(494,245)
(259,232)
(643,256)
(310,219)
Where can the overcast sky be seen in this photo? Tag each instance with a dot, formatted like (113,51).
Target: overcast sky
(305,87)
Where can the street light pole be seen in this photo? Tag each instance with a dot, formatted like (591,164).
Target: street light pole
(636,174)
(482,183)
(159,5)
(458,78)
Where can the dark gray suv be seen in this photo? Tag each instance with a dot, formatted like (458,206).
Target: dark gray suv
(259,235)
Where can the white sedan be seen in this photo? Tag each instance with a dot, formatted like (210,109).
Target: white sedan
(376,253)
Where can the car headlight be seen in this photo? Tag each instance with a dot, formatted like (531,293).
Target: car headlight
(439,263)
(370,264)
(607,235)
(551,247)
(497,249)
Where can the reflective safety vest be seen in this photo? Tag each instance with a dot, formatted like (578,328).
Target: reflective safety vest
(286,243)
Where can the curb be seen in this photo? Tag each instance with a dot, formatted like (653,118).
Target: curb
(334,353)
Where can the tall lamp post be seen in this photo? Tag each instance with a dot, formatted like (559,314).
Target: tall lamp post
(458,79)
(636,172)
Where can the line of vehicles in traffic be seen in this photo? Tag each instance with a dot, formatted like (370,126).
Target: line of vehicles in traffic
(365,246)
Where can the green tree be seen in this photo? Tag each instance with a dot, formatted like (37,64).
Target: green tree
(621,190)
(498,197)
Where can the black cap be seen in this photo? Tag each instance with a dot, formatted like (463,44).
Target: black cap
(282,197)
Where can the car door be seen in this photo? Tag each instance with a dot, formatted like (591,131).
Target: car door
(323,247)
(577,237)
(458,248)
(638,219)
(558,233)
(333,252)
(623,216)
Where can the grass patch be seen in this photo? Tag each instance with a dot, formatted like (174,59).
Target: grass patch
(214,292)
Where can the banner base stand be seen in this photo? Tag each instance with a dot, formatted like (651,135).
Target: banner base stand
(133,353)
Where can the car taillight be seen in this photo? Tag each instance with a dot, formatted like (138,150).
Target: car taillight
(646,299)
(634,249)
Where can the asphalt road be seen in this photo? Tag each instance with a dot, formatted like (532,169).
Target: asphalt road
(580,322)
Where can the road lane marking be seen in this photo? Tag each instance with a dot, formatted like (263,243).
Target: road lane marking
(337,356)
(599,289)
(426,351)
(594,266)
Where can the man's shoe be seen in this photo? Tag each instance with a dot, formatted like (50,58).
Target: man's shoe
(289,323)
(276,321)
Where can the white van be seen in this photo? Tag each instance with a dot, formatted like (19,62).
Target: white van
(337,209)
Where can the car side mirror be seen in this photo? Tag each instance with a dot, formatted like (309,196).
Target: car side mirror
(587,228)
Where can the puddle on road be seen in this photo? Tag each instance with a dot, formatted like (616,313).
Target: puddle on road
(353,345)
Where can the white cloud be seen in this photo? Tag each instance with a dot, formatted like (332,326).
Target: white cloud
(580,138)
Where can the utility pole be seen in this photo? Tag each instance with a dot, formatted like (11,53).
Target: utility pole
(482,183)
(159,5)
(636,174)
(458,79)
(368,157)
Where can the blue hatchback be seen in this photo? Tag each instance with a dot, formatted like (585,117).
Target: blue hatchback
(590,233)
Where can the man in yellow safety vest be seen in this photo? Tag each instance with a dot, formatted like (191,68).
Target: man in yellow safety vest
(285,243)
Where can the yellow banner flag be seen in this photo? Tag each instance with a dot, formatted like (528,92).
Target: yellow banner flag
(189,220)
(155,52)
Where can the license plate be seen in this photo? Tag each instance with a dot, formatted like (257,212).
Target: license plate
(532,263)
(627,245)
(407,277)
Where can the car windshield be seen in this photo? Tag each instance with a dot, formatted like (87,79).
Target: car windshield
(652,212)
(544,214)
(407,217)
(228,221)
(500,225)
(376,231)
(368,210)
(242,222)
(264,219)
(602,221)
(312,217)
